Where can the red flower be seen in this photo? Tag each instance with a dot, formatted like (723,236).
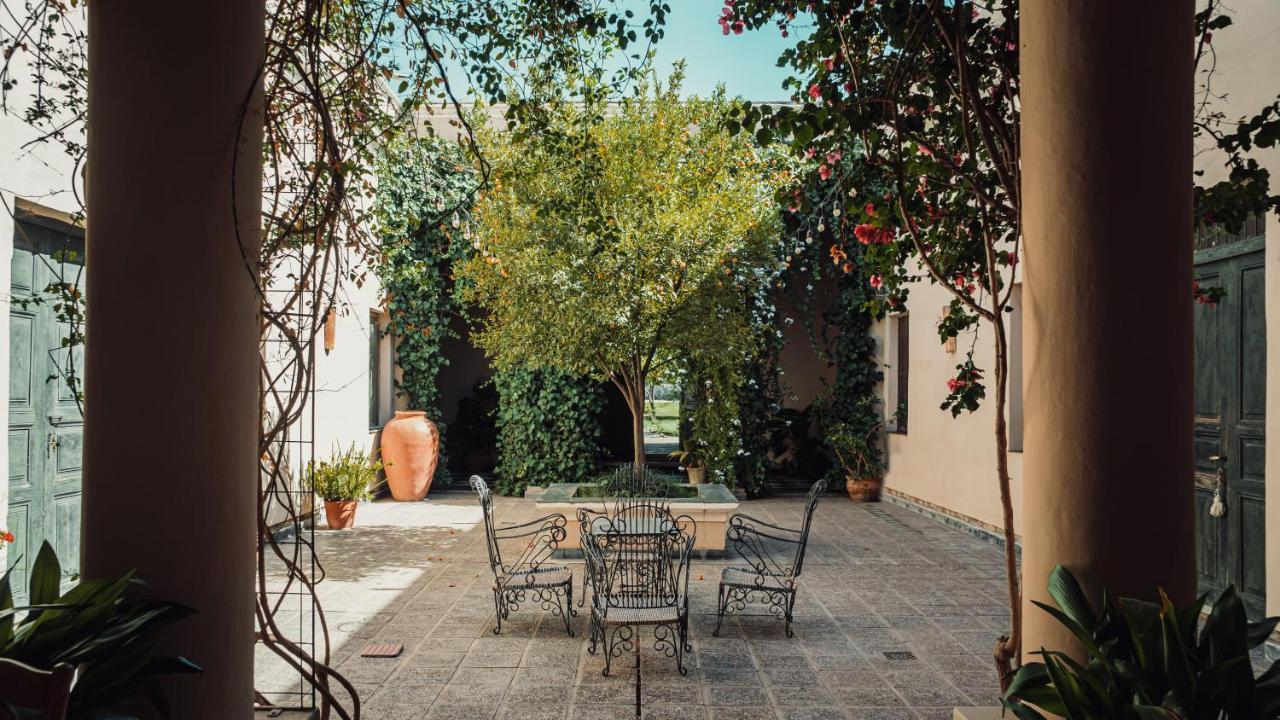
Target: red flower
(8,536)
(829,64)
(815,92)
(876,281)
(955,384)
(824,172)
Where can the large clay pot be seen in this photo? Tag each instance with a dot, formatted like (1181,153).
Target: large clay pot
(410,450)
(863,489)
(341,514)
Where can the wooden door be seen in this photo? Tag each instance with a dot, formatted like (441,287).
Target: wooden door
(1230,416)
(45,427)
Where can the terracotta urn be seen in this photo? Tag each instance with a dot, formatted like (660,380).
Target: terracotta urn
(863,489)
(410,450)
(341,514)
(697,475)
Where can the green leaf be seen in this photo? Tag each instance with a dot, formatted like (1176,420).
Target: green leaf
(1067,593)
(46,576)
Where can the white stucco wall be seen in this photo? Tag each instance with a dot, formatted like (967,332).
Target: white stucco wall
(943,461)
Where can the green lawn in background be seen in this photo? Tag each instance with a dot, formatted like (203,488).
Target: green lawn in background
(666,420)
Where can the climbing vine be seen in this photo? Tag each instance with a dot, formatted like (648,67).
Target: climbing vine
(422,210)
(548,428)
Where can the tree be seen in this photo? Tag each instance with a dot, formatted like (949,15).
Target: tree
(924,93)
(613,246)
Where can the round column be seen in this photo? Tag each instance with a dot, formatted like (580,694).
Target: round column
(1106,155)
(171,413)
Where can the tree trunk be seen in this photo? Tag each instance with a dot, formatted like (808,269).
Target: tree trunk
(636,400)
(1007,648)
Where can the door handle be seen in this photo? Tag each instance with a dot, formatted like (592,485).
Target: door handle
(1218,508)
(51,445)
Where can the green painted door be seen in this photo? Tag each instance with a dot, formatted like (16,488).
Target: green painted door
(1230,418)
(45,428)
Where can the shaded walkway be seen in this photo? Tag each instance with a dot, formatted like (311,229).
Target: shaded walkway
(896,619)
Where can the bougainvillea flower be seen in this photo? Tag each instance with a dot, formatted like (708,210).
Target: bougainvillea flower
(824,172)
(833,157)
(876,281)
(815,92)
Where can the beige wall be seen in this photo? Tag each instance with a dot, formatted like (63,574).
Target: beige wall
(943,461)
(1248,65)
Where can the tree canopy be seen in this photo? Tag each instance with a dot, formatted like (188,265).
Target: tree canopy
(628,244)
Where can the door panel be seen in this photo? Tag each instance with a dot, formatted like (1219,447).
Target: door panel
(1230,408)
(45,427)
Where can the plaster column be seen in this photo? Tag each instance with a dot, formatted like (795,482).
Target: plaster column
(172,358)
(1106,156)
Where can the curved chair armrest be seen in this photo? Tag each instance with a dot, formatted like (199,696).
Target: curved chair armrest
(546,523)
(743,518)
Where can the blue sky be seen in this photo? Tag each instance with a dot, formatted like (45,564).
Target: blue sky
(746,63)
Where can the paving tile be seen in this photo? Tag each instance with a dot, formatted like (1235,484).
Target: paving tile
(742,695)
(875,583)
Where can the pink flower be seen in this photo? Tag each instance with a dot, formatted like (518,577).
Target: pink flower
(815,92)
(955,384)
(833,157)
(877,281)
(810,152)
(824,172)
(829,64)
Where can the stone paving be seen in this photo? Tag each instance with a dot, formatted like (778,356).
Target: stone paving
(896,618)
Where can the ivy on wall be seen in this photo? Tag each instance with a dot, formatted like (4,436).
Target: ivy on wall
(548,428)
(422,207)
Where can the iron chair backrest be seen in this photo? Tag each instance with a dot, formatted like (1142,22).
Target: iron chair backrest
(810,504)
(626,482)
(640,567)
(23,687)
(490,536)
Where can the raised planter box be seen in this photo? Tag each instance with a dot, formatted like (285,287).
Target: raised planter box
(709,505)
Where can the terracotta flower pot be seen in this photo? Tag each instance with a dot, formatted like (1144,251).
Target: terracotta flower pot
(697,475)
(341,514)
(410,450)
(863,489)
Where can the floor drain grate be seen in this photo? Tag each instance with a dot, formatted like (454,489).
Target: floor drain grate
(899,655)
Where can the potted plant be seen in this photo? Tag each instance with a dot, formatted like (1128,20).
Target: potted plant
(694,464)
(104,628)
(342,481)
(857,449)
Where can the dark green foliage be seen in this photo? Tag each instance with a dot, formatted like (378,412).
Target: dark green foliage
(1146,661)
(548,428)
(423,204)
(852,401)
(98,626)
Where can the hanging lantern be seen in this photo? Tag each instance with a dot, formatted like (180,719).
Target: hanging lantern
(330,330)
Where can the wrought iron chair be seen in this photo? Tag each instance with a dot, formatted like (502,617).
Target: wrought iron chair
(766,577)
(624,483)
(639,566)
(529,578)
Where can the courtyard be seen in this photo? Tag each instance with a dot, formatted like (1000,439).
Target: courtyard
(896,618)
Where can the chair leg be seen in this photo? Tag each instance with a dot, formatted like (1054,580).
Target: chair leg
(791,606)
(720,608)
(568,606)
(497,611)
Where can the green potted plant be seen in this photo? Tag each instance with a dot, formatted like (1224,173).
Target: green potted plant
(342,481)
(1147,660)
(104,628)
(694,463)
(857,449)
